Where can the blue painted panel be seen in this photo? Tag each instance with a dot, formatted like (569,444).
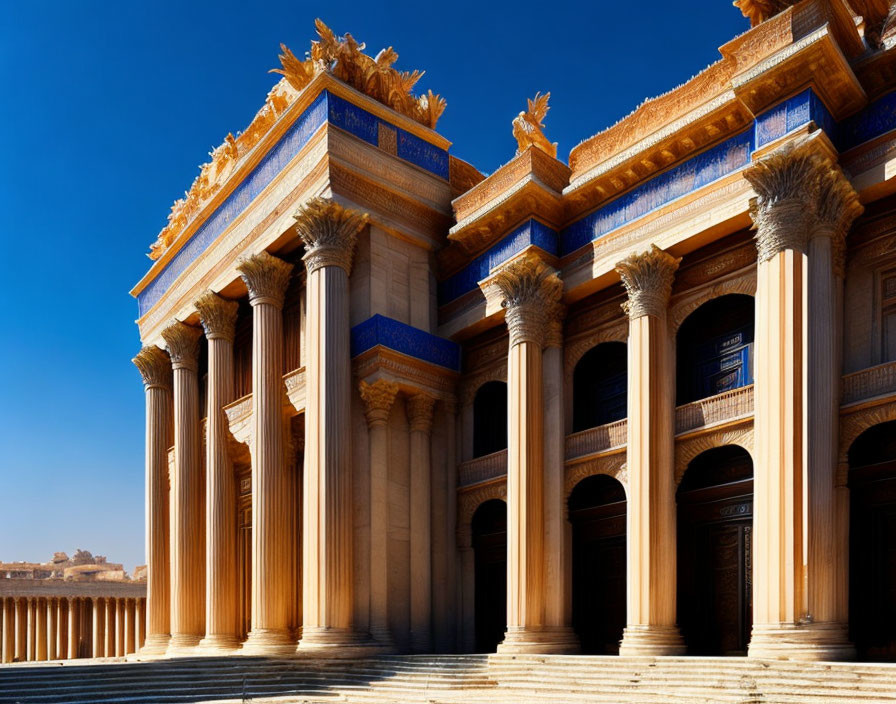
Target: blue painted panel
(721,160)
(876,119)
(420,152)
(380,330)
(787,116)
(353,119)
(272,164)
(532,232)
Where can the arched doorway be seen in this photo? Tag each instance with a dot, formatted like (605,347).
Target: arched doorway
(872,542)
(597,511)
(715,526)
(714,348)
(599,390)
(490,591)
(490,418)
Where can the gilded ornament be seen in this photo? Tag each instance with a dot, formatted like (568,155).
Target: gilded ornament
(217,315)
(183,345)
(420,408)
(758,11)
(528,127)
(266,277)
(378,398)
(531,291)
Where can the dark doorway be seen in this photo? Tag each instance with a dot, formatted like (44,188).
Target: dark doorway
(597,511)
(490,418)
(490,551)
(872,543)
(714,349)
(715,526)
(599,386)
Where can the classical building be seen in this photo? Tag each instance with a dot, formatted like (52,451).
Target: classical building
(641,402)
(66,608)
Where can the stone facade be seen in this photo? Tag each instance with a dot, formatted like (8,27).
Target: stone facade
(393,405)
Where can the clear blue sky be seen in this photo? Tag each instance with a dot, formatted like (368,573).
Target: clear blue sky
(108,108)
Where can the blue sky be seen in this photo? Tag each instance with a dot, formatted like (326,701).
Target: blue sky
(108,108)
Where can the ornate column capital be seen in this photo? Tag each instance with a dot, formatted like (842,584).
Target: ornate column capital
(647,278)
(838,207)
(266,277)
(420,407)
(183,345)
(378,398)
(154,365)
(329,232)
(531,290)
(787,184)
(217,315)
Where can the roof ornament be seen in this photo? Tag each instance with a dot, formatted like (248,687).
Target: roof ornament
(758,11)
(528,127)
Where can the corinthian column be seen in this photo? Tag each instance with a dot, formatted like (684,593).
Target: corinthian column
(378,399)
(801,213)
(155,368)
(651,564)
(218,318)
(420,407)
(272,588)
(530,290)
(328,232)
(187,488)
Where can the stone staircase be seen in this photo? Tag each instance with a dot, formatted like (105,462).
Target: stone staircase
(447,679)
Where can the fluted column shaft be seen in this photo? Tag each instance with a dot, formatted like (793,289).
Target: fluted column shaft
(109,628)
(119,628)
(8,636)
(420,409)
(61,627)
(155,367)
(328,232)
(651,565)
(187,493)
(267,278)
(218,318)
(51,629)
(139,623)
(530,290)
(802,209)
(40,625)
(128,626)
(378,399)
(72,639)
(30,646)
(21,652)
(97,614)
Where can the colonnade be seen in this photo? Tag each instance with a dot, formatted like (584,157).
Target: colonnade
(192,527)
(63,628)
(802,212)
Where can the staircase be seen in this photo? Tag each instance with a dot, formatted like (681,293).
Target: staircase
(447,679)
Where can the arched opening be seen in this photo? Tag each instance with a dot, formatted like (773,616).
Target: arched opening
(715,348)
(872,542)
(715,526)
(490,560)
(599,390)
(597,511)
(490,418)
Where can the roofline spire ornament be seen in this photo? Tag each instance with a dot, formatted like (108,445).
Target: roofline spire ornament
(758,11)
(528,127)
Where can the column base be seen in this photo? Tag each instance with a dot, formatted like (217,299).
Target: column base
(182,644)
(540,640)
(217,643)
(339,643)
(801,641)
(268,641)
(651,641)
(155,645)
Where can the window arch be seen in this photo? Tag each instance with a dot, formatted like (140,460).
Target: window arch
(490,418)
(599,386)
(714,348)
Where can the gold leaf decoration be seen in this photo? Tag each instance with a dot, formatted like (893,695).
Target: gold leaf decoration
(528,127)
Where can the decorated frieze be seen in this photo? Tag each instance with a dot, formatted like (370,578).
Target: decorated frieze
(379,330)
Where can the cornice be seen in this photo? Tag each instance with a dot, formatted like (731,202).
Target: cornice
(410,374)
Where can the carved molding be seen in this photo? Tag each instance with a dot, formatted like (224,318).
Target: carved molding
(329,232)
(743,282)
(528,127)
(467,503)
(611,464)
(531,290)
(855,422)
(378,398)
(647,278)
(266,277)
(838,207)
(419,410)
(154,365)
(217,316)
(183,345)
(686,449)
